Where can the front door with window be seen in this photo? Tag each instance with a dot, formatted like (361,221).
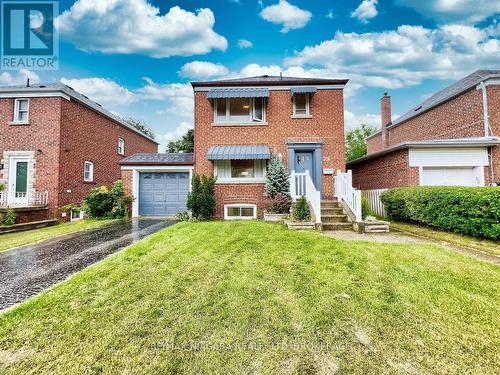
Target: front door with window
(304,162)
(18,181)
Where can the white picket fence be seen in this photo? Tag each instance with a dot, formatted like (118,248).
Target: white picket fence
(301,184)
(374,202)
(344,192)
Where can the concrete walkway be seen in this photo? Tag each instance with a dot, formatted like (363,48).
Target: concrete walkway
(28,270)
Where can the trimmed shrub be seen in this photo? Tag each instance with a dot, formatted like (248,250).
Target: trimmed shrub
(473,211)
(279,204)
(300,210)
(201,199)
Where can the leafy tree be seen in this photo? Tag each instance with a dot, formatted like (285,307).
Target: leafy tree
(141,126)
(277,181)
(356,143)
(185,144)
(201,199)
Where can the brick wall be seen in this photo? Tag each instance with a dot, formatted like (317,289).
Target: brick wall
(493,93)
(326,126)
(374,144)
(387,171)
(88,136)
(41,137)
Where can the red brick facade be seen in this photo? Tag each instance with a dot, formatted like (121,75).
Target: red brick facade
(326,127)
(62,134)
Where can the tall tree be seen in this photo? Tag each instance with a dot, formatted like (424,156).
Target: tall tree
(141,126)
(277,178)
(355,140)
(185,144)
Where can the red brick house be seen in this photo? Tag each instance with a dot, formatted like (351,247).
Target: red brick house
(452,138)
(239,123)
(55,146)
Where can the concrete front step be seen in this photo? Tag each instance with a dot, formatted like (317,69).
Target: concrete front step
(334,219)
(332,211)
(330,204)
(337,226)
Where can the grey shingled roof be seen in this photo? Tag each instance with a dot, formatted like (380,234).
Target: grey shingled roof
(448,93)
(72,93)
(159,159)
(270,80)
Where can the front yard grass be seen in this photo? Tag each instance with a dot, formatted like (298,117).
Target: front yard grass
(11,240)
(252,297)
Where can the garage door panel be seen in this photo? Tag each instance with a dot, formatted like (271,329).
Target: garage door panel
(449,176)
(162,194)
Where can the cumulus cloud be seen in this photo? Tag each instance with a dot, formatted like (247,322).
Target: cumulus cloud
(365,11)
(352,121)
(202,69)
(403,57)
(455,11)
(102,90)
(243,43)
(286,14)
(18,78)
(174,135)
(137,27)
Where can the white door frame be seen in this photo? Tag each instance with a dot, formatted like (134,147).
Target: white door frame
(12,199)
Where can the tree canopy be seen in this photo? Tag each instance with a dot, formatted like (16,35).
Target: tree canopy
(185,144)
(141,126)
(355,141)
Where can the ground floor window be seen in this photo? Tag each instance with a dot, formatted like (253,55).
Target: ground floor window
(240,170)
(240,211)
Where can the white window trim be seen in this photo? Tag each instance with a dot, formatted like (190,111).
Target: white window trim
(241,205)
(81,216)
(91,171)
(228,121)
(308,107)
(16,119)
(121,146)
(232,180)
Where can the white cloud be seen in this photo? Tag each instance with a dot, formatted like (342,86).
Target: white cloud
(19,78)
(457,11)
(202,69)
(102,90)
(365,11)
(352,121)
(178,97)
(174,135)
(290,16)
(137,27)
(403,57)
(243,43)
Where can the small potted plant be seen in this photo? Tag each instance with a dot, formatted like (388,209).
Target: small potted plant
(277,208)
(300,217)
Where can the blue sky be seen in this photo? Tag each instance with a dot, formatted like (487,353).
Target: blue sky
(136,57)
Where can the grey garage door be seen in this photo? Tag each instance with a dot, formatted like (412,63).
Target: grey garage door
(163,194)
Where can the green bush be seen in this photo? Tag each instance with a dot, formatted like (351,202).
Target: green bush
(365,208)
(2,186)
(300,210)
(473,211)
(9,218)
(103,203)
(201,199)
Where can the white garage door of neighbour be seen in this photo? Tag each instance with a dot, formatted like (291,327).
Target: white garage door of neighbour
(449,176)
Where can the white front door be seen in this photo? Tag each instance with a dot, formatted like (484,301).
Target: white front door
(18,180)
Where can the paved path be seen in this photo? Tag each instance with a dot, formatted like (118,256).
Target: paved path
(28,270)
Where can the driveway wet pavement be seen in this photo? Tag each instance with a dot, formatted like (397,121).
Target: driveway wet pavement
(28,270)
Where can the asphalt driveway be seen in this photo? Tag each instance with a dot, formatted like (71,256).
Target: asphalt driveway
(30,269)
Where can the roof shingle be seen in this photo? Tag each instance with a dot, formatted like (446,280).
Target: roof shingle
(159,159)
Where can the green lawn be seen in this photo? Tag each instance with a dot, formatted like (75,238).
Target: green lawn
(11,240)
(251,297)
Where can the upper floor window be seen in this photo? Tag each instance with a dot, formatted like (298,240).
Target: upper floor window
(21,110)
(88,171)
(301,105)
(240,110)
(233,170)
(121,146)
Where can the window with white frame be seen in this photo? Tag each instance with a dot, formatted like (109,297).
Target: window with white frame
(21,110)
(301,105)
(240,110)
(88,171)
(240,212)
(121,146)
(240,170)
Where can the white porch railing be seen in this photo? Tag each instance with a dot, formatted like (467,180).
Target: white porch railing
(301,184)
(37,198)
(344,192)
(374,202)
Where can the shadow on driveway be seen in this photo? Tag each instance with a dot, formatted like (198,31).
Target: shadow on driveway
(28,270)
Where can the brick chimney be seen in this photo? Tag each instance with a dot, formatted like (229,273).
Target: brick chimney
(385,114)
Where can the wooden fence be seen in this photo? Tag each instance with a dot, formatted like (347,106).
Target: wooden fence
(374,202)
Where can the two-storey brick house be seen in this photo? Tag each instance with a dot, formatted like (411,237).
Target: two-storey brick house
(55,146)
(452,138)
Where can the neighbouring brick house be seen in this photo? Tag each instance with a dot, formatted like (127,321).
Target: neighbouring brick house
(239,123)
(55,146)
(452,138)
